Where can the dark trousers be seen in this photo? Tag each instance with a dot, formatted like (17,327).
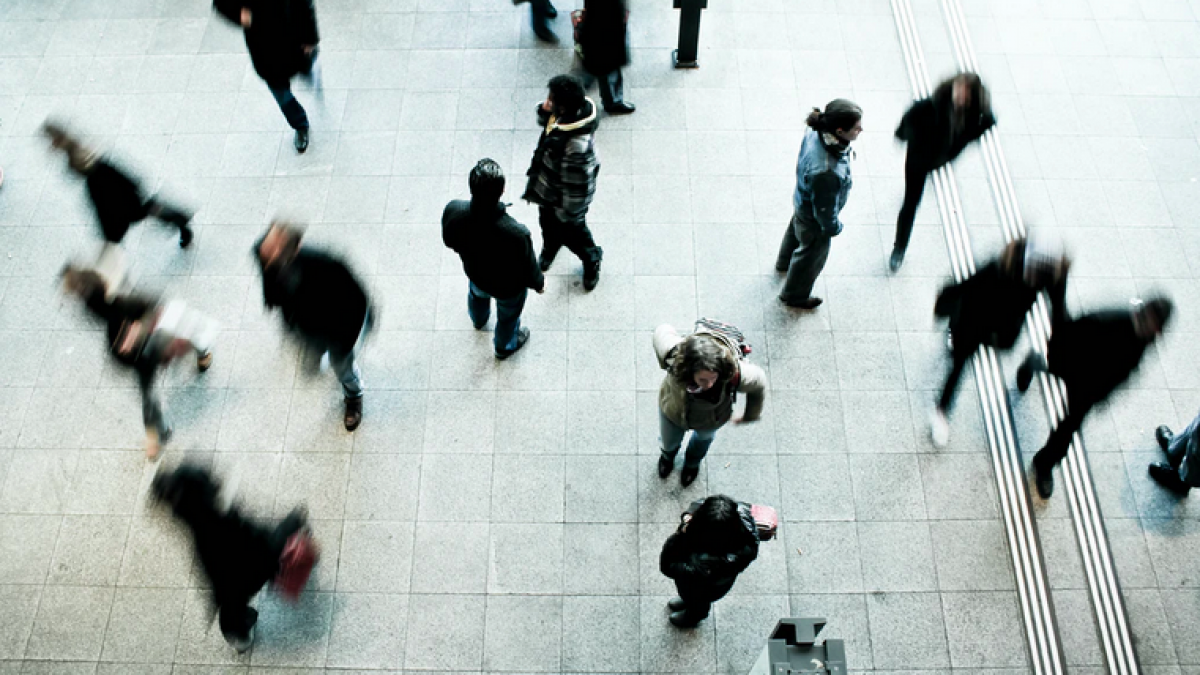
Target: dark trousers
(292,110)
(611,85)
(559,230)
(698,601)
(803,253)
(958,363)
(237,617)
(540,13)
(1079,403)
(914,185)
(508,315)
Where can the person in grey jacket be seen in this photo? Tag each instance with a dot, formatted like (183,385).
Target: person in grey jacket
(704,376)
(1181,472)
(822,186)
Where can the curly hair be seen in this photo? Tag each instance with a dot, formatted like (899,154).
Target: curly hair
(701,352)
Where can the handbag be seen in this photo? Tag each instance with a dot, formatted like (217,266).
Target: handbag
(300,555)
(577,29)
(766,519)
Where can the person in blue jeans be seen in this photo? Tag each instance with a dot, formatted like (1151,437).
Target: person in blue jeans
(1181,472)
(497,255)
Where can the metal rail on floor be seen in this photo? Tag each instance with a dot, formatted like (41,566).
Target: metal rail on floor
(1041,628)
(1105,590)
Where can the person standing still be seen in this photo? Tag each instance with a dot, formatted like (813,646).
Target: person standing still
(822,187)
(282,38)
(1181,472)
(604,39)
(497,256)
(562,176)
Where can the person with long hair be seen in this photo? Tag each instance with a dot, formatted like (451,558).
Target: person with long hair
(822,187)
(704,557)
(936,130)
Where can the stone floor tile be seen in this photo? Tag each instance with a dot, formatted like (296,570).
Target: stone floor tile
(374,475)
(887,487)
(293,634)
(460,422)
(601,633)
(455,488)
(375,557)
(523,633)
(141,619)
(600,559)
(897,557)
(1077,626)
(21,606)
(528,488)
(159,554)
(70,623)
(846,614)
(530,422)
(526,558)
(367,630)
(1148,621)
(446,564)
(665,648)
(445,632)
(808,422)
(959,486)
(907,630)
(197,645)
(89,550)
(826,559)
(600,489)
(394,422)
(971,555)
(742,625)
(984,629)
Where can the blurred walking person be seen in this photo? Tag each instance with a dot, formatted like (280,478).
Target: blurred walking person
(282,38)
(989,308)
(562,176)
(540,13)
(936,130)
(822,188)
(604,40)
(1092,355)
(117,197)
(497,255)
(1181,472)
(322,303)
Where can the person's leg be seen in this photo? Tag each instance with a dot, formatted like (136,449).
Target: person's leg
(508,322)
(1178,446)
(158,430)
(479,306)
(1058,444)
(552,240)
(1034,363)
(173,216)
(292,110)
(695,608)
(610,86)
(698,447)
(578,238)
(237,624)
(807,262)
(346,368)
(670,437)
(540,14)
(914,186)
(946,402)
(791,241)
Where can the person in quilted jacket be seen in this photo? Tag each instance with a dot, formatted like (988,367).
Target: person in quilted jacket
(706,554)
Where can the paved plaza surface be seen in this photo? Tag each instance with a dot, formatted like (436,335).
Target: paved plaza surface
(506,516)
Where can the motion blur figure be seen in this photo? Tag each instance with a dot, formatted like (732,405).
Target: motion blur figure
(604,39)
(144,335)
(540,13)
(1181,472)
(936,130)
(116,196)
(1092,355)
(989,308)
(705,556)
(323,304)
(281,36)
(238,555)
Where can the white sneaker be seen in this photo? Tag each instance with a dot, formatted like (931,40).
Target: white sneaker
(939,429)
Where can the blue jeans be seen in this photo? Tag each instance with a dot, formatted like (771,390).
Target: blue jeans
(508,315)
(670,437)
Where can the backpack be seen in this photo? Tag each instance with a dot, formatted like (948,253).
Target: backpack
(733,337)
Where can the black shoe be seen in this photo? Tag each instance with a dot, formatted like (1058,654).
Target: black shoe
(1044,481)
(1168,478)
(688,475)
(545,34)
(1025,375)
(301,140)
(591,274)
(353,414)
(522,338)
(684,620)
(896,260)
(186,235)
(552,11)
(665,465)
(781,270)
(619,108)
(545,260)
(811,302)
(676,604)
(1163,435)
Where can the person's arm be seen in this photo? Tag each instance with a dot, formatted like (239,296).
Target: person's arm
(537,279)
(578,176)
(754,385)
(675,562)
(825,189)
(306,23)
(448,230)
(665,340)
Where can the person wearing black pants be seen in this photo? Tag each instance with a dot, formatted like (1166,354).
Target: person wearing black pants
(936,130)
(541,12)
(604,40)
(1092,355)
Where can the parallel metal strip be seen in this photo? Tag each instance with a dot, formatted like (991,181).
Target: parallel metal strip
(1116,640)
(1020,527)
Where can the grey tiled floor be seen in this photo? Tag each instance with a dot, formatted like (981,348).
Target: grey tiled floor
(503,517)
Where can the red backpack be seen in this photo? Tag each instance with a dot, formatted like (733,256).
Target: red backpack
(300,555)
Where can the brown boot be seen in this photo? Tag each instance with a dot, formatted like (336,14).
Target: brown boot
(353,415)
(204,361)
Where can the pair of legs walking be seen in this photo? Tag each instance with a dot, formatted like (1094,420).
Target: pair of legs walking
(561,229)
(612,91)
(914,186)
(670,438)
(236,617)
(803,254)
(291,108)
(170,215)
(508,317)
(1059,442)
(343,364)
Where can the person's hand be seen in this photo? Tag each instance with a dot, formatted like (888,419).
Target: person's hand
(546,106)
(308,49)
(541,290)
(245,19)
(742,420)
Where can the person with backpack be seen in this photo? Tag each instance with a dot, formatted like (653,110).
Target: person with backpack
(705,372)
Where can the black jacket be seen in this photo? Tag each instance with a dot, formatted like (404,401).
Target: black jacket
(1095,353)
(114,313)
(497,252)
(320,298)
(117,199)
(989,308)
(278,31)
(603,36)
(932,140)
(701,575)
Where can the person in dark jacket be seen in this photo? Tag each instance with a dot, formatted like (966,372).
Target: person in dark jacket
(822,187)
(1181,472)
(322,302)
(1092,355)
(562,176)
(936,130)
(144,335)
(116,196)
(989,308)
(282,38)
(497,255)
(604,39)
(706,554)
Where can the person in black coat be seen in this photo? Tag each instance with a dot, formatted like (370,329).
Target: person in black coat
(604,40)
(322,302)
(1092,355)
(936,130)
(706,554)
(989,308)
(497,255)
(116,196)
(282,38)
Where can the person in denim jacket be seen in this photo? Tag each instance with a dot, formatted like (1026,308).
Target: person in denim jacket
(822,187)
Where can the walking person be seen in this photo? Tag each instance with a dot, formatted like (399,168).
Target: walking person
(989,308)
(604,40)
(117,197)
(282,38)
(497,255)
(322,303)
(1092,355)
(705,555)
(704,377)
(822,187)
(1181,472)
(540,13)
(936,130)
(562,176)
